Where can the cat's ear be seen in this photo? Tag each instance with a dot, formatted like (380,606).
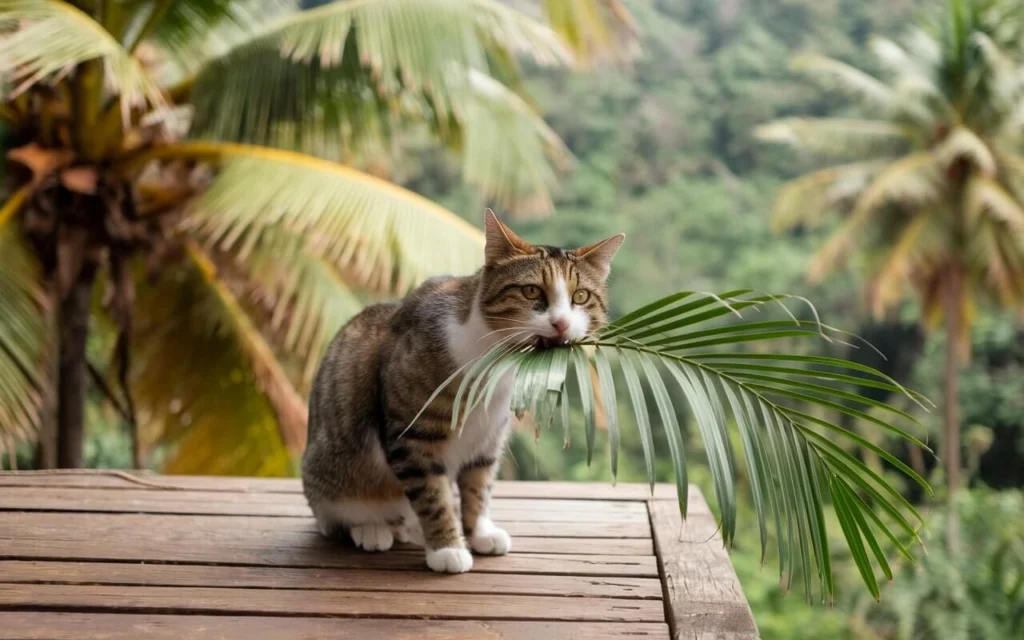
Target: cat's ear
(599,255)
(502,243)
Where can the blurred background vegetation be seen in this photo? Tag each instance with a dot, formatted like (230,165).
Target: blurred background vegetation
(665,147)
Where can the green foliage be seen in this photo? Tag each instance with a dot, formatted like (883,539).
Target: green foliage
(961,596)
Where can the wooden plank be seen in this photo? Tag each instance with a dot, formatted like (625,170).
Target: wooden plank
(269,504)
(103,479)
(100,626)
(172,524)
(116,494)
(113,573)
(505,489)
(703,597)
(290,602)
(270,551)
(250,536)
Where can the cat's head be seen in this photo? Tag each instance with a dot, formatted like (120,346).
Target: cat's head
(555,295)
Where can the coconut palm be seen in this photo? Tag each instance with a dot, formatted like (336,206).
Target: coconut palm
(930,181)
(197,184)
(780,403)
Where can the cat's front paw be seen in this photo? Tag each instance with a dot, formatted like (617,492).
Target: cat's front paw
(372,537)
(489,539)
(449,560)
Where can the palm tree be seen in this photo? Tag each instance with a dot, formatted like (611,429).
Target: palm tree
(191,181)
(930,180)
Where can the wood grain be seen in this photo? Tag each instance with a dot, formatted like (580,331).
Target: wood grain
(506,489)
(103,626)
(209,538)
(702,594)
(279,504)
(170,525)
(99,556)
(116,573)
(354,604)
(274,555)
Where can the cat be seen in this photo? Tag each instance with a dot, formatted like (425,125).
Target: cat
(371,476)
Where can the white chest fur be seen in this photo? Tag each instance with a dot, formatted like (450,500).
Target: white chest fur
(485,425)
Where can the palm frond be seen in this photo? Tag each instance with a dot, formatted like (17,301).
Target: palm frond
(809,198)
(987,196)
(893,278)
(23,332)
(307,298)
(843,137)
(785,407)
(837,75)
(190,32)
(509,152)
(388,48)
(223,405)
(353,74)
(962,143)
(385,236)
(594,30)
(895,58)
(52,37)
(996,256)
(912,182)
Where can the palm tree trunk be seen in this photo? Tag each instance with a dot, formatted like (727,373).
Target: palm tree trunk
(71,374)
(951,438)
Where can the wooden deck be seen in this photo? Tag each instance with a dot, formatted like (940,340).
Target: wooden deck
(99,556)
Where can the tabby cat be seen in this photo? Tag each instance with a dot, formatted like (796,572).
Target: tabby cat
(366,473)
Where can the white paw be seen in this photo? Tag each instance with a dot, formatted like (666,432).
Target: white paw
(449,560)
(489,539)
(372,537)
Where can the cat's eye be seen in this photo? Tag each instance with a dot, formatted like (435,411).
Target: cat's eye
(531,292)
(581,296)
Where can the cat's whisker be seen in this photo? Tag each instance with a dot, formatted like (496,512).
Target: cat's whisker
(518,329)
(506,319)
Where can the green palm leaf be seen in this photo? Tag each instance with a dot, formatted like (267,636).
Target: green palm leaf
(307,299)
(843,77)
(785,407)
(385,48)
(53,37)
(339,81)
(841,137)
(378,233)
(23,333)
(222,406)
(593,29)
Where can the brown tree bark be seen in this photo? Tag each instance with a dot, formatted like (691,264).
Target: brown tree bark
(951,436)
(72,373)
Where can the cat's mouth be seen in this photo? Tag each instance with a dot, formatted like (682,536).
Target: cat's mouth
(544,342)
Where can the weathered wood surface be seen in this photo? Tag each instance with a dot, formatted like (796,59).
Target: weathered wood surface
(102,556)
(92,626)
(703,595)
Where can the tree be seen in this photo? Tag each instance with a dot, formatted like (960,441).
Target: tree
(932,187)
(195,179)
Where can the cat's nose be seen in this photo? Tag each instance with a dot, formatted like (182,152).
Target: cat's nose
(560,324)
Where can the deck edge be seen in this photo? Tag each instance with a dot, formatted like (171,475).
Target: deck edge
(701,592)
